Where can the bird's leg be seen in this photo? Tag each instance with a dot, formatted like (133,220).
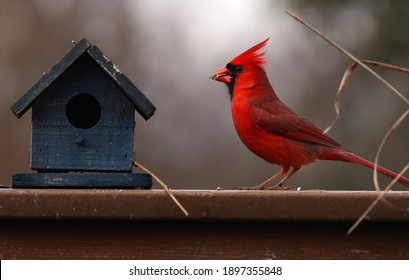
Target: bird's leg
(279,186)
(281,183)
(263,185)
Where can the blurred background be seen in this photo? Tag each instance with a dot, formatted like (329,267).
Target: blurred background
(170,48)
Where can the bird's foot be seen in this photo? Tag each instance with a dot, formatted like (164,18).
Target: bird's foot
(278,188)
(257,188)
(263,187)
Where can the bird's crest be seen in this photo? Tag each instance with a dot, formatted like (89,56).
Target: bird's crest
(252,55)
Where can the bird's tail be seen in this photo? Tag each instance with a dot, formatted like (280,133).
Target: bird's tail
(341,155)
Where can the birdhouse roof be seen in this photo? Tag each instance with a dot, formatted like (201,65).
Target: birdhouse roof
(141,103)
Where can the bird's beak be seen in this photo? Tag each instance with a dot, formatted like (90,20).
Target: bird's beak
(222,75)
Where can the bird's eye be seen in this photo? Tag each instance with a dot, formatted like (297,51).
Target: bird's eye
(238,69)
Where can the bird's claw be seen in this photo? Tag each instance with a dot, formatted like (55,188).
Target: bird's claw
(259,188)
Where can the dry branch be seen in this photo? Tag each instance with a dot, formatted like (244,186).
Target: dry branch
(164,186)
(344,81)
(348,54)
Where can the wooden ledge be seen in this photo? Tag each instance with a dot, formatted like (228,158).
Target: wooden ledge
(274,206)
(146,224)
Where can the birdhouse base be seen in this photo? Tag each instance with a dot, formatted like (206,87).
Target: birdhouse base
(82,180)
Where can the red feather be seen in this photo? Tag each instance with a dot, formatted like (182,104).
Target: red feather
(252,55)
(286,123)
(270,129)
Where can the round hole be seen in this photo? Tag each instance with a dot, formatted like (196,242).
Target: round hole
(83,111)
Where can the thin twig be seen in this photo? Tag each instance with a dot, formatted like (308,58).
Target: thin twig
(348,54)
(380,196)
(164,186)
(345,79)
(386,65)
(387,135)
(336,105)
(375,173)
(337,101)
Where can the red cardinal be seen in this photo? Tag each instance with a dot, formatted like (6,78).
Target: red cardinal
(273,131)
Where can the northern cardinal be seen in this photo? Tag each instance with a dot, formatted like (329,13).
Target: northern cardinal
(273,131)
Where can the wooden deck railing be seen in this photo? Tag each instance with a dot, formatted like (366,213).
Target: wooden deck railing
(146,224)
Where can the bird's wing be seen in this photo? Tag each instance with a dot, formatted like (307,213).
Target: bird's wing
(280,120)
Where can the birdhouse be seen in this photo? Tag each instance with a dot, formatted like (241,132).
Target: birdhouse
(83,124)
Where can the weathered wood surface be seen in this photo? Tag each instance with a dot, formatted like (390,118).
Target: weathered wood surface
(82,180)
(200,240)
(272,206)
(107,146)
(141,103)
(137,224)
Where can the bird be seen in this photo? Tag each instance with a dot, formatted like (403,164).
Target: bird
(273,131)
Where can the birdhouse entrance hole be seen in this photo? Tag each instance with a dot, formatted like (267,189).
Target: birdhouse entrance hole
(83,111)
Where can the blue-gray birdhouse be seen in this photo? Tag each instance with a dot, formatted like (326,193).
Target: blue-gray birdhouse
(83,123)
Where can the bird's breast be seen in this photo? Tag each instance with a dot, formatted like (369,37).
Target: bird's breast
(273,148)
